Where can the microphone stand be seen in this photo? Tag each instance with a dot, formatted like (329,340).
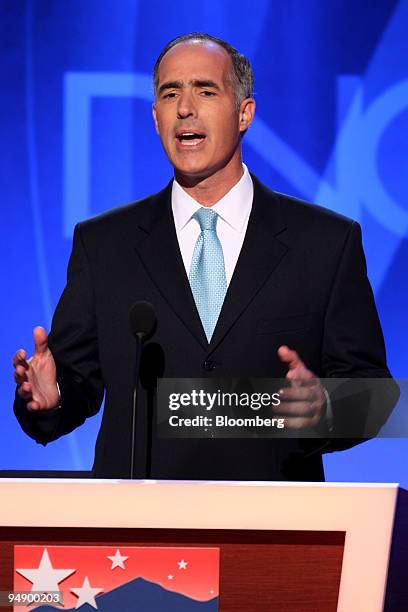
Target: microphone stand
(142,322)
(139,347)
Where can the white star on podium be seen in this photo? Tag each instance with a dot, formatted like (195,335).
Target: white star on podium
(182,564)
(118,560)
(45,578)
(86,594)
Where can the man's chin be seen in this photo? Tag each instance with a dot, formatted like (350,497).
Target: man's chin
(191,174)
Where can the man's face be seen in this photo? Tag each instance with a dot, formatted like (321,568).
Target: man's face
(195,111)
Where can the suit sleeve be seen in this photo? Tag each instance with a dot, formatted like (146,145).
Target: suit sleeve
(74,344)
(353,341)
(353,348)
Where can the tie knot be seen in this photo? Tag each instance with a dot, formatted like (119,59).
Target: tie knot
(207,218)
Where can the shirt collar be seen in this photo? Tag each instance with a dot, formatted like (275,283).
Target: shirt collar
(233,208)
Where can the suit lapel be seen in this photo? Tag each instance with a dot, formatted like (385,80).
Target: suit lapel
(158,250)
(261,253)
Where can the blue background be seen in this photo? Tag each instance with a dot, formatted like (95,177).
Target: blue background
(77,138)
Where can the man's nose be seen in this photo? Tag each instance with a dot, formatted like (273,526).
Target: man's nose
(186,106)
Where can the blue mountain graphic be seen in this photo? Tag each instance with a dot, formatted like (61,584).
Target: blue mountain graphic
(142,596)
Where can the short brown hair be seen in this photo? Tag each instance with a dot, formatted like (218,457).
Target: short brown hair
(242,76)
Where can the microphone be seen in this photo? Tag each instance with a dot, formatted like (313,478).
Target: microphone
(142,320)
(142,323)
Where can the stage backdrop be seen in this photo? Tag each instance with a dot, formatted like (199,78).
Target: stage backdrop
(77,138)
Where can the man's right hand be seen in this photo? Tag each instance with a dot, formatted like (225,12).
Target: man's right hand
(37,376)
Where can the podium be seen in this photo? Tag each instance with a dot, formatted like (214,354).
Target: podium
(315,547)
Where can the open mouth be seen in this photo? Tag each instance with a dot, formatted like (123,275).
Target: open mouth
(190,139)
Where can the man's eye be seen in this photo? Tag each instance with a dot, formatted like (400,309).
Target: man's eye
(170,94)
(208,93)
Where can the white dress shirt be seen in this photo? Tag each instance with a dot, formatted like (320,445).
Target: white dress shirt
(233,210)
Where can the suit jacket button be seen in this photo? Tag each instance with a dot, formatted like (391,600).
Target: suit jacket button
(208,365)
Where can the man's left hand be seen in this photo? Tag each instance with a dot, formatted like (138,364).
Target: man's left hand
(303,404)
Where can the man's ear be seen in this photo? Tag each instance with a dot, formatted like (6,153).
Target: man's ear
(154,112)
(246,113)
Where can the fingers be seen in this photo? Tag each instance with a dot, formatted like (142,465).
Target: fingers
(307,391)
(25,391)
(302,404)
(296,409)
(297,370)
(21,367)
(33,406)
(300,373)
(40,340)
(20,358)
(20,375)
(290,357)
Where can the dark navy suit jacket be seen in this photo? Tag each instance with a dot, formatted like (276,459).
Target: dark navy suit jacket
(300,280)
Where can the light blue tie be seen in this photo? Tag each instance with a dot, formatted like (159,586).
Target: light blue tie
(207,273)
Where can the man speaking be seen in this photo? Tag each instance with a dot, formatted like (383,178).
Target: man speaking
(245,282)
